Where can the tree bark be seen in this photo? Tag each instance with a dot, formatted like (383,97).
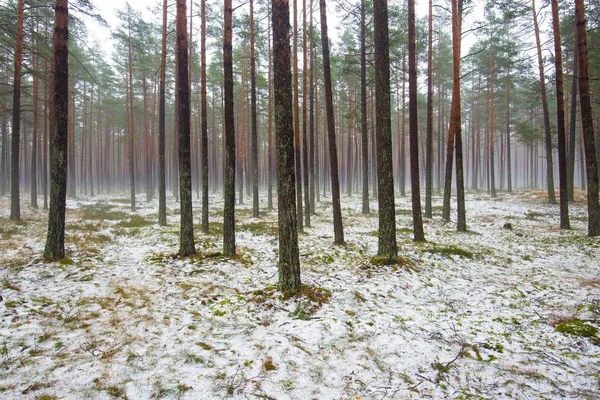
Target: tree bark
(333,162)
(587,122)
(297,122)
(560,126)
(204,112)
(186,233)
(572,127)
(419,235)
(429,139)
(55,241)
(229,178)
(387,247)
(162,187)
(547,132)
(254,149)
(461,221)
(15,196)
(363,109)
(289,264)
(305,177)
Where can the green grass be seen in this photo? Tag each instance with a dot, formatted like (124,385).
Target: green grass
(449,251)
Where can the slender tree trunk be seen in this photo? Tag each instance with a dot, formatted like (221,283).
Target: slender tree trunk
(35,138)
(333,162)
(229,179)
(297,122)
(311,129)
(305,177)
(204,112)
(269,126)
(548,134)
(254,150)
(387,247)
(363,109)
(508,155)
(289,263)
(573,126)
(402,168)
(429,139)
(55,241)
(419,235)
(560,109)
(131,161)
(162,187)
(491,140)
(15,197)
(587,122)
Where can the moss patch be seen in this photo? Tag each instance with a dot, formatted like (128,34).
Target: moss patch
(450,251)
(577,327)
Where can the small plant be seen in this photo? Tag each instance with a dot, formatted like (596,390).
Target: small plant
(577,327)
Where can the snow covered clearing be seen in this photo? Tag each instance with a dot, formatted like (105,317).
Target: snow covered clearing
(470,315)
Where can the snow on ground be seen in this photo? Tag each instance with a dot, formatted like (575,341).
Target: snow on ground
(473,315)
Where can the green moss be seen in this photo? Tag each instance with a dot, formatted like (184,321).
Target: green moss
(381,260)
(101,211)
(450,251)
(577,327)
(135,221)
(260,228)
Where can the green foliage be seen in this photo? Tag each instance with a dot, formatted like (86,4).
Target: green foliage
(449,251)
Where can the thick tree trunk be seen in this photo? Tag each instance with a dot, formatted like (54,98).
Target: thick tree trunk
(333,162)
(55,241)
(229,178)
(560,126)
(461,220)
(186,234)
(289,264)
(387,247)
(587,122)
(547,132)
(419,235)
(15,196)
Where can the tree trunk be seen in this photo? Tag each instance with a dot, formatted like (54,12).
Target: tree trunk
(131,161)
(55,241)
(186,234)
(269,125)
(311,129)
(297,122)
(363,109)
(15,197)
(229,179)
(429,139)
(254,149)
(35,140)
(491,141)
(204,112)
(572,127)
(289,263)
(305,177)
(387,248)
(560,126)
(162,187)
(547,132)
(461,222)
(587,122)
(419,235)
(333,162)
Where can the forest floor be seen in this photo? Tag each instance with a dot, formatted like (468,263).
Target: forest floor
(472,315)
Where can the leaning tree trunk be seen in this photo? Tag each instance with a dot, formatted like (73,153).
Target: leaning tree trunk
(15,196)
(587,122)
(333,162)
(547,132)
(229,179)
(186,233)
(560,126)
(289,264)
(387,248)
(55,241)
(419,235)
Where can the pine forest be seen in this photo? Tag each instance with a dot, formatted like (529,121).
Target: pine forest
(303,199)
